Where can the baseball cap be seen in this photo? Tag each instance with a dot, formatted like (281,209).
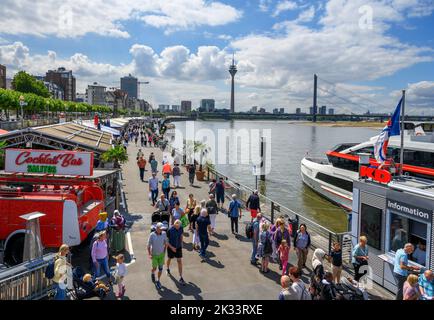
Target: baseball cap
(159,225)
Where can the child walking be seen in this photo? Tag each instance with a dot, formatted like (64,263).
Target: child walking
(336,261)
(120,273)
(283,252)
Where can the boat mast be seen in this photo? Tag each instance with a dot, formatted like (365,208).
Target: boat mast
(401,157)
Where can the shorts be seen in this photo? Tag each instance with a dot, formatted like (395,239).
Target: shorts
(253,213)
(220,197)
(172,255)
(158,260)
(119,279)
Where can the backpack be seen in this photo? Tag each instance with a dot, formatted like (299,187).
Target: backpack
(268,247)
(211,209)
(49,271)
(249,230)
(305,295)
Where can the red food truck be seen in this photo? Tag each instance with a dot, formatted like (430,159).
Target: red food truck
(59,184)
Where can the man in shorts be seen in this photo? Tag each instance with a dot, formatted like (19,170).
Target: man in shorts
(157,244)
(174,247)
(253,205)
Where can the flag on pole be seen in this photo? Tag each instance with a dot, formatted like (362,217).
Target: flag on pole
(391,129)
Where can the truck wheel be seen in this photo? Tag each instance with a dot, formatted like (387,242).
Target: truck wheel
(14,250)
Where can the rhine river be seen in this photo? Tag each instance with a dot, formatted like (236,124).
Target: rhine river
(289,144)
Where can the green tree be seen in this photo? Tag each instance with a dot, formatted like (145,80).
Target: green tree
(26,83)
(117,155)
(2,153)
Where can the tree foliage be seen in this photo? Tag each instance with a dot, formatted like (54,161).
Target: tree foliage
(26,83)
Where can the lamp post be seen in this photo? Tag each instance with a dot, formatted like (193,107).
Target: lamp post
(22,104)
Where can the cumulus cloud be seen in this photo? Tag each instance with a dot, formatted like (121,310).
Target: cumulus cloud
(418,95)
(74,18)
(285,5)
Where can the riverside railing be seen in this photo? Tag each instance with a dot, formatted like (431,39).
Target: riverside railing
(26,281)
(321,237)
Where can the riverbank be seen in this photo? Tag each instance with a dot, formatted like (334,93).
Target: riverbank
(343,124)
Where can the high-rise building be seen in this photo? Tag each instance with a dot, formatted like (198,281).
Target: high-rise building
(254,109)
(275,111)
(56,92)
(116,100)
(185,106)
(331,111)
(282,110)
(96,94)
(2,76)
(176,107)
(129,85)
(233,70)
(323,110)
(163,107)
(298,111)
(311,110)
(207,105)
(65,80)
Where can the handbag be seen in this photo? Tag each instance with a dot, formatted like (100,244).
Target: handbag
(184,221)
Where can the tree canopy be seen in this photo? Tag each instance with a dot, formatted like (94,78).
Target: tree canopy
(26,83)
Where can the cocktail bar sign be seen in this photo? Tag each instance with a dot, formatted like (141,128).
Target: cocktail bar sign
(55,162)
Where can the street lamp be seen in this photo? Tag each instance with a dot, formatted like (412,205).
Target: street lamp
(22,104)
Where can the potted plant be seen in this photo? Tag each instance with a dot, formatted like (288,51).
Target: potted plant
(116,156)
(195,147)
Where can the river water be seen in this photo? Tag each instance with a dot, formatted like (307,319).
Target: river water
(289,144)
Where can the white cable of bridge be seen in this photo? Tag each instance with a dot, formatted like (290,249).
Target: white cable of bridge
(344,99)
(353,93)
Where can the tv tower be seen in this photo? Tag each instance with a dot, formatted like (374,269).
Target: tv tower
(233,70)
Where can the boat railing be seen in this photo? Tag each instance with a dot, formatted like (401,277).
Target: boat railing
(26,281)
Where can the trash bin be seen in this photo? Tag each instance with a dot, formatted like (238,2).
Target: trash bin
(117,241)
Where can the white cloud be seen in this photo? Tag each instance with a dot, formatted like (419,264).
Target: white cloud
(285,5)
(264,5)
(418,95)
(74,18)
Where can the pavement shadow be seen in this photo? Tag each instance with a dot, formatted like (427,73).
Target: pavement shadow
(213,243)
(221,236)
(243,239)
(190,289)
(188,246)
(273,275)
(213,263)
(167,294)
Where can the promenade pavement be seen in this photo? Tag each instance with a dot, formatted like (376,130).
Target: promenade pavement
(226,274)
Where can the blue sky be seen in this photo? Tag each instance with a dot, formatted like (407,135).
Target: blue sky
(184,48)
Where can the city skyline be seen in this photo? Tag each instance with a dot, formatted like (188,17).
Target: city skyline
(188,59)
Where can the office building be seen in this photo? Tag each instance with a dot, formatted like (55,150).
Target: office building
(96,94)
(311,110)
(331,111)
(323,110)
(65,80)
(275,111)
(207,105)
(129,85)
(56,92)
(2,76)
(254,109)
(80,97)
(176,107)
(298,111)
(185,106)
(282,110)
(163,107)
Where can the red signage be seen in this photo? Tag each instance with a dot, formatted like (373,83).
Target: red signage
(378,175)
(49,162)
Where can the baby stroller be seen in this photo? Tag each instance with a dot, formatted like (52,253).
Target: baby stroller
(160,216)
(84,290)
(349,290)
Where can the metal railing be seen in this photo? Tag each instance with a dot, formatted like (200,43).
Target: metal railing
(321,237)
(26,281)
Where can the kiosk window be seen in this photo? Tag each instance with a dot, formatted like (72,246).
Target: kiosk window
(404,230)
(370,225)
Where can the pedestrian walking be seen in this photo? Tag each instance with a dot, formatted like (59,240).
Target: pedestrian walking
(176,172)
(336,261)
(62,270)
(193,219)
(283,251)
(142,140)
(401,268)
(141,163)
(234,212)
(293,287)
(157,244)
(173,200)
(282,233)
(165,186)
(253,204)
(212,207)
(191,173)
(176,212)
(265,248)
(174,251)
(189,209)
(255,238)
(360,257)
(219,189)
(120,274)
(99,256)
(153,187)
(203,227)
(318,272)
(154,165)
(139,154)
(301,245)
(136,139)
(167,169)
(163,204)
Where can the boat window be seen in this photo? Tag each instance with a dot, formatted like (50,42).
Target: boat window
(370,225)
(337,182)
(404,230)
(369,150)
(413,157)
(342,163)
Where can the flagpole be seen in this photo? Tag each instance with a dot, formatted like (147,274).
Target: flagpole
(401,157)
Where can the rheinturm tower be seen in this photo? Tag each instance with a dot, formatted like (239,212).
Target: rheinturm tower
(233,71)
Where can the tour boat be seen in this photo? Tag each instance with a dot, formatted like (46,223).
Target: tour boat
(333,177)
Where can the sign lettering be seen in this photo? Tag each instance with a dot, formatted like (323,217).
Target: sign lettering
(378,175)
